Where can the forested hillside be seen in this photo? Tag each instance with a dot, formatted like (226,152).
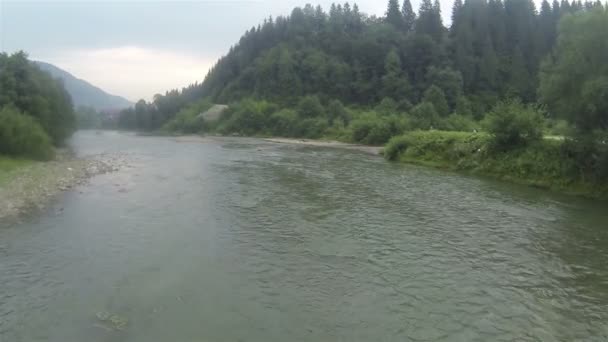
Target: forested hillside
(492,50)
(524,89)
(404,62)
(35,110)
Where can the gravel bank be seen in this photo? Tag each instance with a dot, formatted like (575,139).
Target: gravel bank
(33,186)
(336,144)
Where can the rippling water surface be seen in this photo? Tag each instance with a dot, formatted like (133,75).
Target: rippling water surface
(244,240)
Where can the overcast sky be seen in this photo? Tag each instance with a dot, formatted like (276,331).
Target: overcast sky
(138,48)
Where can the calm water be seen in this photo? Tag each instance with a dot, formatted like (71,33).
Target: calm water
(244,240)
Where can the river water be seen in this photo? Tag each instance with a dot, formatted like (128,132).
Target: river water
(234,239)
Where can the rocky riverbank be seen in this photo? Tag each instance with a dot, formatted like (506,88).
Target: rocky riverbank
(32,187)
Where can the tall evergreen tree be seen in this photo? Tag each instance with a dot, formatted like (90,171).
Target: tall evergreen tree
(408,14)
(546,26)
(429,20)
(394,84)
(393,14)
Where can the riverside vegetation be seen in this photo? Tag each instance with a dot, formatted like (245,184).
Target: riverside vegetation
(36,117)
(506,90)
(527,86)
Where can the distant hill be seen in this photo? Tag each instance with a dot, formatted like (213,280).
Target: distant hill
(84,93)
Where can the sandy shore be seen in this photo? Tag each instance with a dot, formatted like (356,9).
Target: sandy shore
(334,144)
(33,186)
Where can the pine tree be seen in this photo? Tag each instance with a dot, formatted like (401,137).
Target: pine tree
(393,15)
(547,27)
(408,14)
(456,10)
(394,84)
(429,20)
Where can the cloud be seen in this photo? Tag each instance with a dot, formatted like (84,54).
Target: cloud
(132,71)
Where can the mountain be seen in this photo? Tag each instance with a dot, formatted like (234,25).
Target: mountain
(83,93)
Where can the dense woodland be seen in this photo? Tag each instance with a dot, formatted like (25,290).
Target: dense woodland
(405,63)
(523,90)
(35,110)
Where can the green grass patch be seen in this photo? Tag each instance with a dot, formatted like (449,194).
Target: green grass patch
(10,166)
(544,163)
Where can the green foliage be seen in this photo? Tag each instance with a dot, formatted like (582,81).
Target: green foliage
(436,96)
(387,106)
(463,106)
(310,107)
(395,83)
(336,112)
(424,116)
(513,124)
(574,83)
(248,117)
(436,146)
(285,123)
(543,163)
(393,14)
(449,81)
(409,17)
(189,120)
(370,128)
(395,146)
(491,52)
(36,94)
(21,135)
(460,123)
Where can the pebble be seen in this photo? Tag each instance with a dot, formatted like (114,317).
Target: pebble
(48,179)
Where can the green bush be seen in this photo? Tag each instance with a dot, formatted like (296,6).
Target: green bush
(424,116)
(188,120)
(437,146)
(248,117)
(395,146)
(513,124)
(336,112)
(21,135)
(457,122)
(370,128)
(310,107)
(284,123)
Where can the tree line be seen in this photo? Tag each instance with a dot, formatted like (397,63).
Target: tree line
(359,78)
(492,51)
(35,110)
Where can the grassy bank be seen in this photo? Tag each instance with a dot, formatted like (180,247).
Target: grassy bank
(546,163)
(9,167)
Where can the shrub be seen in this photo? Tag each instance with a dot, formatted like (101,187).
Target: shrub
(457,122)
(248,117)
(436,146)
(21,135)
(310,107)
(436,96)
(513,124)
(188,120)
(336,112)
(395,146)
(284,123)
(369,128)
(312,128)
(386,107)
(424,116)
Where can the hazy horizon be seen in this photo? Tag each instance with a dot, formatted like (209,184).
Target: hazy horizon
(136,49)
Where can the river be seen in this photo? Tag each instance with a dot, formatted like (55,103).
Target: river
(236,239)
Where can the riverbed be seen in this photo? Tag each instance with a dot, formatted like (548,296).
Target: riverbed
(238,239)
